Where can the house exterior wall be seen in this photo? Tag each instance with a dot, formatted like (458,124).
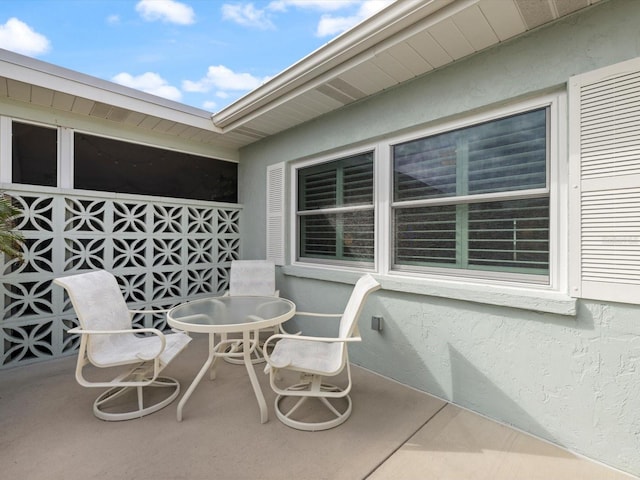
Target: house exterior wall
(566,374)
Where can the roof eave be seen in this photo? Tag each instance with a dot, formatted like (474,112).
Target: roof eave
(350,44)
(46,75)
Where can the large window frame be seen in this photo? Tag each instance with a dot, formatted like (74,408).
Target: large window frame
(336,213)
(472,205)
(555,189)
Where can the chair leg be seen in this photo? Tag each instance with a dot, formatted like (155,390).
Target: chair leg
(105,400)
(338,415)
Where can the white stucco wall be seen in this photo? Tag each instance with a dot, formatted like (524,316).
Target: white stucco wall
(571,379)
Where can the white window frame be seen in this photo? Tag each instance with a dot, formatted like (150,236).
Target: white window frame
(331,264)
(557,174)
(557,178)
(6,145)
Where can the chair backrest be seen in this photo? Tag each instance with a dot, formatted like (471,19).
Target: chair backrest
(364,286)
(252,277)
(99,305)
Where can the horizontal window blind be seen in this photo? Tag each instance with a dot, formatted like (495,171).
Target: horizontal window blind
(318,190)
(510,235)
(335,210)
(499,156)
(438,223)
(504,236)
(508,154)
(318,236)
(426,235)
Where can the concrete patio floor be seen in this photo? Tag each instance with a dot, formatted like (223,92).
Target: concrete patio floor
(48,431)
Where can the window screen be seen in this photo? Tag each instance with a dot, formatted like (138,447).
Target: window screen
(34,154)
(111,165)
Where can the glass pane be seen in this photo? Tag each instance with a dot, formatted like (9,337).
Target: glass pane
(338,236)
(510,235)
(425,236)
(508,154)
(34,151)
(318,236)
(357,235)
(340,183)
(114,166)
(425,168)
(502,155)
(317,190)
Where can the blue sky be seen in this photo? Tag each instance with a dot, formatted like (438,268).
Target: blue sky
(204,53)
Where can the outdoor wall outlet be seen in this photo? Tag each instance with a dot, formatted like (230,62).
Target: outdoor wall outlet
(376,323)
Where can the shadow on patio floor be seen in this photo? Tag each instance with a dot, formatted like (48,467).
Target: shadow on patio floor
(395,432)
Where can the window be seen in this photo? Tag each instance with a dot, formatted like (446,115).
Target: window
(335,211)
(475,199)
(115,166)
(34,154)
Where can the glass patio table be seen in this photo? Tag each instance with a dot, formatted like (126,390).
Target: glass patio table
(230,315)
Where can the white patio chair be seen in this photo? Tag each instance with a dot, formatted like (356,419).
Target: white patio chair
(108,340)
(252,278)
(315,358)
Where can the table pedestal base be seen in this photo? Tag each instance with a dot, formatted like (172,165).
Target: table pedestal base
(216,351)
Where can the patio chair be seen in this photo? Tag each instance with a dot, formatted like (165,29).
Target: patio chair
(108,340)
(313,359)
(252,278)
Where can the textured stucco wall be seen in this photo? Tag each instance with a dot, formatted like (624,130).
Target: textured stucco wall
(574,380)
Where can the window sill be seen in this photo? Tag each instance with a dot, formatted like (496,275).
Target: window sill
(502,295)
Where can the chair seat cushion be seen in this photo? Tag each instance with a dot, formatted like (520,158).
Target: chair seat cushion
(308,356)
(125,348)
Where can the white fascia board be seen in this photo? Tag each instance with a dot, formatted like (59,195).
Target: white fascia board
(46,75)
(364,36)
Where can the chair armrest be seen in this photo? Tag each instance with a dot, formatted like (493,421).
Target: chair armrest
(312,314)
(313,339)
(160,310)
(155,331)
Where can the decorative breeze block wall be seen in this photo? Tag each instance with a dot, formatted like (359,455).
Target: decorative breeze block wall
(163,252)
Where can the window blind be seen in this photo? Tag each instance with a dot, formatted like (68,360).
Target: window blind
(335,210)
(434,228)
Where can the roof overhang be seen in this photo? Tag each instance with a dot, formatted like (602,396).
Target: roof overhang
(405,40)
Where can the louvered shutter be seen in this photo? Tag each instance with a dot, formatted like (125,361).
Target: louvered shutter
(275,213)
(605,183)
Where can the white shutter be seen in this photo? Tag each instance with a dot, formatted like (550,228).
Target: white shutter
(275,213)
(605,183)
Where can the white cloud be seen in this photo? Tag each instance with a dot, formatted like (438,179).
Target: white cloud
(113,20)
(209,105)
(222,78)
(166,11)
(369,7)
(247,15)
(333,25)
(19,37)
(151,83)
(329,26)
(322,5)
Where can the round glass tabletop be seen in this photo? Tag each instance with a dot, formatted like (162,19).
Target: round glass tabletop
(230,314)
